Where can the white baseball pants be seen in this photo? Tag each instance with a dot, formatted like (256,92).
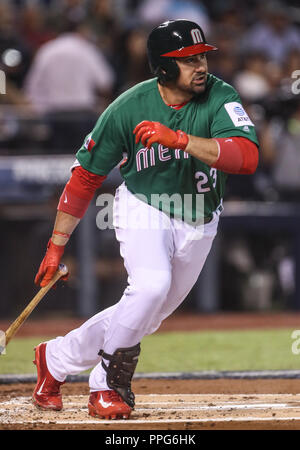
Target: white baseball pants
(163,258)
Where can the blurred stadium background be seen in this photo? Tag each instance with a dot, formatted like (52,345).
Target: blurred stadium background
(64,61)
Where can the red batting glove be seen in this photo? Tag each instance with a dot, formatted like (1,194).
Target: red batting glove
(149,132)
(50,263)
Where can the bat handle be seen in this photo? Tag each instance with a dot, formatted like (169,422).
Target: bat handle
(62,269)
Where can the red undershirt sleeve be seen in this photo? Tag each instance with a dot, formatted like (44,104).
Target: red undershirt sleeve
(79,191)
(237,155)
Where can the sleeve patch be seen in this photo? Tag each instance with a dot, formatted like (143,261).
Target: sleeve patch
(89,143)
(238,115)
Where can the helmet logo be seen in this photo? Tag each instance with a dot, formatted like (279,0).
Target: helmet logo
(196,36)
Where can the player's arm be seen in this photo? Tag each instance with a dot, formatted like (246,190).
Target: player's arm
(231,155)
(236,154)
(72,206)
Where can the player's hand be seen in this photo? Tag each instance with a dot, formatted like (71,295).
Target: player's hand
(149,132)
(50,263)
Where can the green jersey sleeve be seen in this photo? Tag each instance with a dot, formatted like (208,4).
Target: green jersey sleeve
(228,116)
(103,148)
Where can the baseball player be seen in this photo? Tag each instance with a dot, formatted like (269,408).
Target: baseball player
(182,132)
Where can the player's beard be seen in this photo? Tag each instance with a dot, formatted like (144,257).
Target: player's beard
(196,86)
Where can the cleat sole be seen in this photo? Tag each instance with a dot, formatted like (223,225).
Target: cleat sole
(45,408)
(93,413)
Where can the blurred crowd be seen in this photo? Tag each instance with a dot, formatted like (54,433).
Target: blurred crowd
(65,60)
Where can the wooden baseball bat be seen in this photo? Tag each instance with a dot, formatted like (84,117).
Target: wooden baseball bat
(14,327)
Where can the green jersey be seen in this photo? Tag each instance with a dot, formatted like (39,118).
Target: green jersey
(159,170)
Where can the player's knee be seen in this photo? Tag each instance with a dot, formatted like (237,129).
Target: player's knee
(144,298)
(155,287)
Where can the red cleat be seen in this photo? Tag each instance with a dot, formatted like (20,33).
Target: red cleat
(108,405)
(46,394)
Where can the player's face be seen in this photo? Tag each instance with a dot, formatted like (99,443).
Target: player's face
(193,73)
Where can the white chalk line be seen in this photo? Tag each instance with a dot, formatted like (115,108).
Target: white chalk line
(218,396)
(227,407)
(223,407)
(197,398)
(170,406)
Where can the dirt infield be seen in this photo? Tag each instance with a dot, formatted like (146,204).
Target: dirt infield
(177,322)
(165,404)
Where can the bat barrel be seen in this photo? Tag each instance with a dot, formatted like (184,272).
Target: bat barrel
(62,271)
